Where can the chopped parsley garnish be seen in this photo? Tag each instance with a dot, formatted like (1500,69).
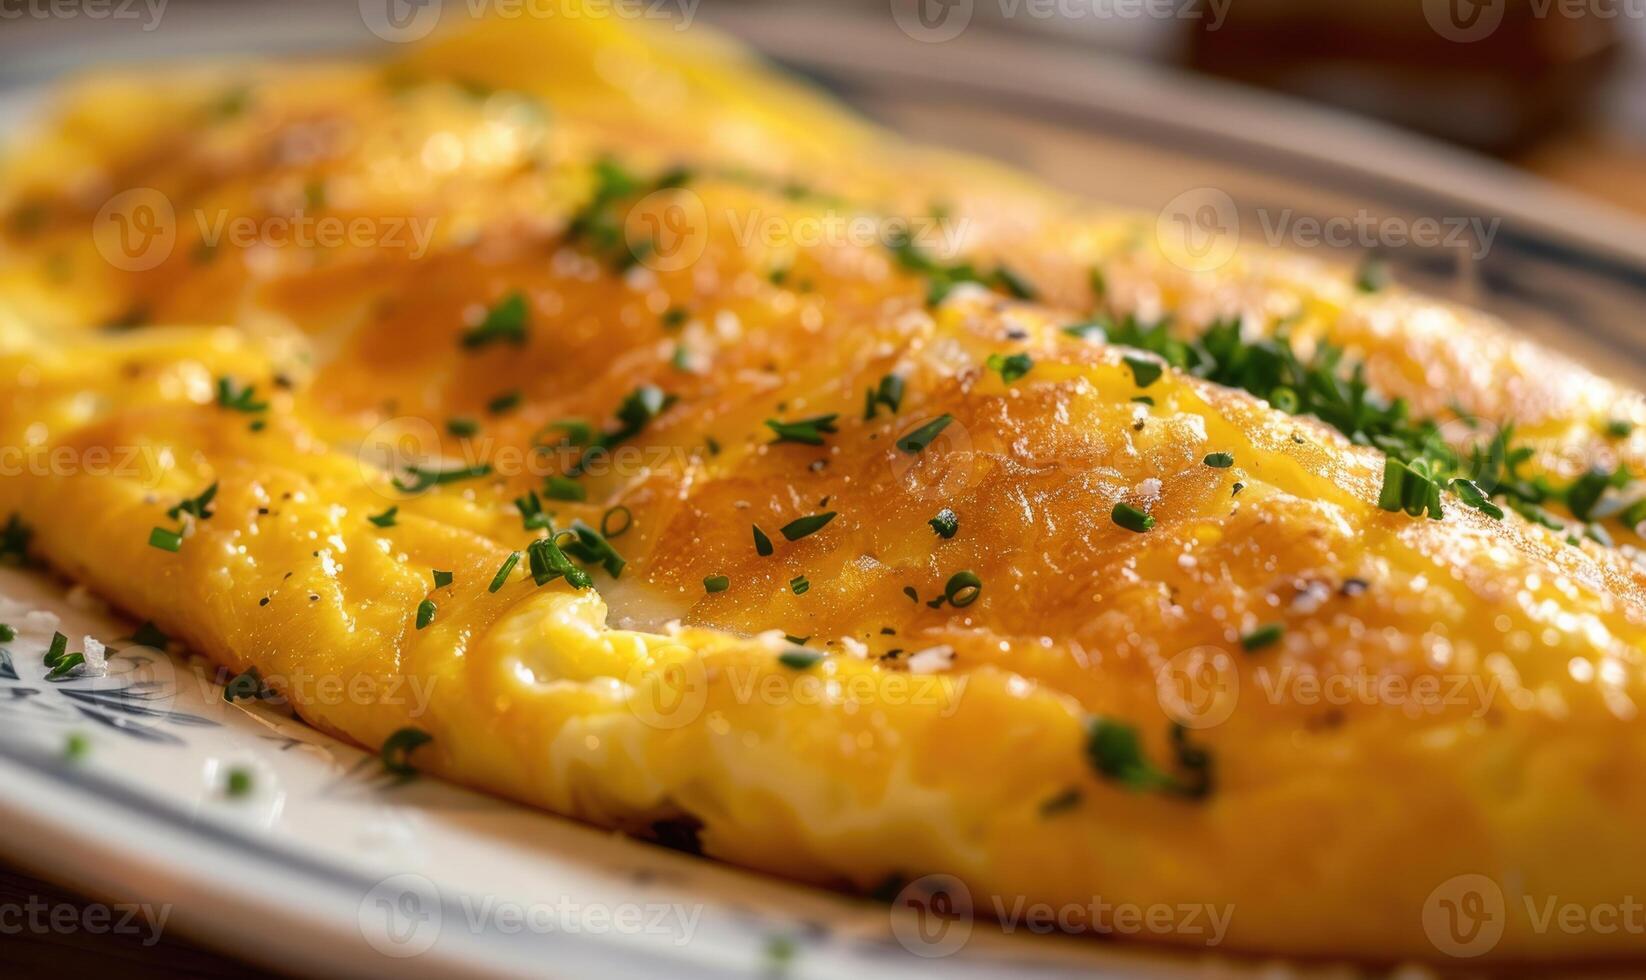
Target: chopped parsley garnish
(1219,461)
(946,523)
(1011,367)
(799,585)
(502,576)
(239,399)
(802,526)
(422,478)
(398,749)
(799,659)
(619,513)
(962,589)
(1131,518)
(442,579)
(503,323)
(1144,370)
(547,563)
(762,544)
(1116,753)
(196,506)
(1266,635)
(716,583)
(889,392)
(564,488)
(922,437)
(166,539)
(425,613)
(385,519)
(809,431)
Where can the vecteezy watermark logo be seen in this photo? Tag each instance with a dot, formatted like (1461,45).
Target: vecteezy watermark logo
(401,916)
(135,230)
(667,230)
(1465,915)
(400,21)
(1199,229)
(1199,687)
(669,691)
(38,917)
(933,21)
(147,11)
(1464,21)
(932,916)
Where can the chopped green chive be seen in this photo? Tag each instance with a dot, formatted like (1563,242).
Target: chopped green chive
(238,399)
(1264,636)
(716,583)
(799,659)
(1013,284)
(675,317)
(547,563)
(1116,752)
(1097,330)
(798,585)
(505,322)
(946,523)
(1131,518)
(1586,491)
(1372,276)
(238,783)
(165,540)
(800,527)
(75,747)
(762,544)
(919,439)
(442,579)
(421,478)
(1219,461)
(462,428)
(7,633)
(195,506)
(616,521)
(1619,428)
(398,749)
(888,393)
(385,519)
(532,516)
(425,613)
(564,488)
(1144,371)
(807,431)
(502,576)
(962,589)
(1066,800)
(149,635)
(1476,498)
(506,402)
(1011,367)
(591,547)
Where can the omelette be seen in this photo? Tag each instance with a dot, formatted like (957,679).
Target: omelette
(733,473)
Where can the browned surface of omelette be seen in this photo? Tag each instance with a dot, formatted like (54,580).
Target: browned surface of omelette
(598,265)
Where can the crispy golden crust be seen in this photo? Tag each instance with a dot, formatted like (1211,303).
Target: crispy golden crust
(1486,713)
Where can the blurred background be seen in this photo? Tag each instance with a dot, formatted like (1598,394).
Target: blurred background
(1557,87)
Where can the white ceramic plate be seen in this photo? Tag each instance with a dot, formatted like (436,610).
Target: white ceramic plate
(327,867)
